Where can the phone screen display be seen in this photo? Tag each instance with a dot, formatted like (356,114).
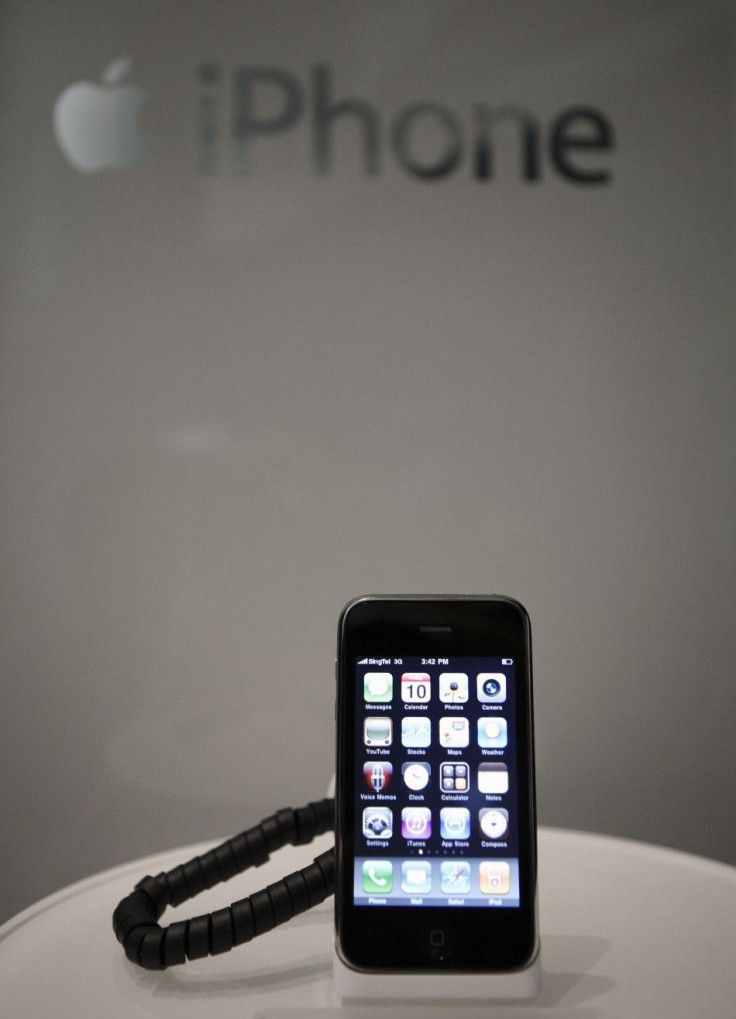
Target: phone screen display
(436,808)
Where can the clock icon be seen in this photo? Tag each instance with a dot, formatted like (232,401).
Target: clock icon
(416,775)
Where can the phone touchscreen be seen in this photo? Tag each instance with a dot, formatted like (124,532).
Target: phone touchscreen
(436,802)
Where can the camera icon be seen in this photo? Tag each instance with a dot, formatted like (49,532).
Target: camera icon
(491,687)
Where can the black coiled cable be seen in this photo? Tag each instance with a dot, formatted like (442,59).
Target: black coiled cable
(147,943)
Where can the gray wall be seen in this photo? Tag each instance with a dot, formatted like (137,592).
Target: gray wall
(231,402)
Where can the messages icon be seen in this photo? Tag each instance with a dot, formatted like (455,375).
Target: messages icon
(378,687)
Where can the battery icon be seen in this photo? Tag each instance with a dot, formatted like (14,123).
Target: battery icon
(507,661)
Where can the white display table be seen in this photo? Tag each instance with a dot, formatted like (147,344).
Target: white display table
(628,930)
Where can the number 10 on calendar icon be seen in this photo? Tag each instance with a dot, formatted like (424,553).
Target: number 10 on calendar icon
(415,687)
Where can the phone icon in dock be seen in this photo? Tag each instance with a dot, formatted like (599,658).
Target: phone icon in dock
(378,877)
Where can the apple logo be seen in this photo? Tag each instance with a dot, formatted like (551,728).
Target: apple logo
(95,125)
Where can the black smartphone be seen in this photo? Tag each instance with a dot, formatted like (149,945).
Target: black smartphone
(435,822)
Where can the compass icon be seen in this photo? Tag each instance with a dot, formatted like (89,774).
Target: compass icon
(494,822)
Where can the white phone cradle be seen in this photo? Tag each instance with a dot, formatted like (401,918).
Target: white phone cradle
(349,984)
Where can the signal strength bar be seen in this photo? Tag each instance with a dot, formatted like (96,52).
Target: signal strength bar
(363,661)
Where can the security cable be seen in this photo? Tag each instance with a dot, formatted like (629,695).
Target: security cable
(147,943)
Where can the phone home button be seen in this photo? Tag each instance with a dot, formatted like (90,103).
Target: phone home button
(439,944)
